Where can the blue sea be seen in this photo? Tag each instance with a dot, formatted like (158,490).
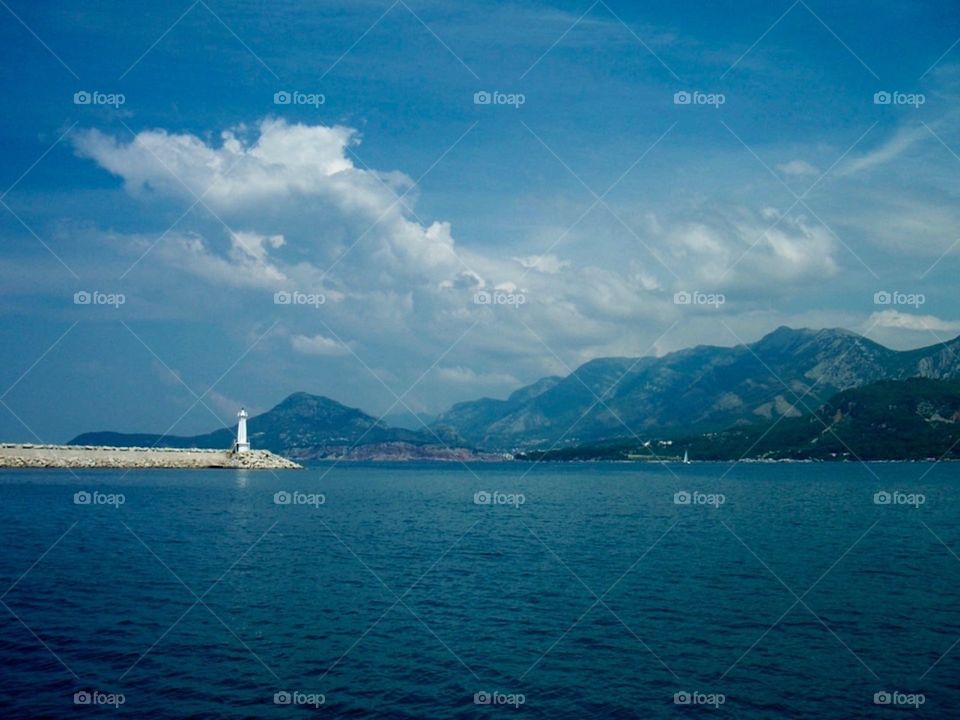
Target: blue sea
(497,590)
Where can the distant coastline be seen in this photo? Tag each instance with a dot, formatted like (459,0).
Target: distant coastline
(13,455)
(534,459)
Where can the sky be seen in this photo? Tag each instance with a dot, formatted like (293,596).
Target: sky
(403,205)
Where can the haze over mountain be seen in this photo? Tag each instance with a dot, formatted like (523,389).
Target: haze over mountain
(787,373)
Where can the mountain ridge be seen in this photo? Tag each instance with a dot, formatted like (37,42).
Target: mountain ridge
(912,419)
(702,387)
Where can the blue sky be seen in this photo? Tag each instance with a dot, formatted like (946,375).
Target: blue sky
(784,187)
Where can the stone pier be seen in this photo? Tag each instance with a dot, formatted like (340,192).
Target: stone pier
(92,456)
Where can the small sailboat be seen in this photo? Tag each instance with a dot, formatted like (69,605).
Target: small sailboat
(686,457)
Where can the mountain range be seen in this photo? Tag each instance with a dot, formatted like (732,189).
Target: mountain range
(790,373)
(914,419)
(700,389)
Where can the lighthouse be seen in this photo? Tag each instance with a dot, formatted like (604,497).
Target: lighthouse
(242,445)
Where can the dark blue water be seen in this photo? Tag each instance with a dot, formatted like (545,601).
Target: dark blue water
(399,596)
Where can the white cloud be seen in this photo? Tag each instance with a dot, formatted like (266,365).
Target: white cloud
(752,251)
(798,168)
(317,345)
(300,213)
(902,141)
(291,186)
(549,264)
(284,159)
(908,321)
(246,264)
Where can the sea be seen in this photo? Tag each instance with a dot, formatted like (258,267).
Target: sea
(449,590)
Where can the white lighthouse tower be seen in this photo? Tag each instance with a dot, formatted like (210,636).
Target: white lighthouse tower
(242,445)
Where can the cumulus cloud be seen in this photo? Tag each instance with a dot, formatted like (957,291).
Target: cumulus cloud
(908,321)
(246,263)
(295,177)
(284,158)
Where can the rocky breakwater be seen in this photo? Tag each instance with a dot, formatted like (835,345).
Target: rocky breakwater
(98,456)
